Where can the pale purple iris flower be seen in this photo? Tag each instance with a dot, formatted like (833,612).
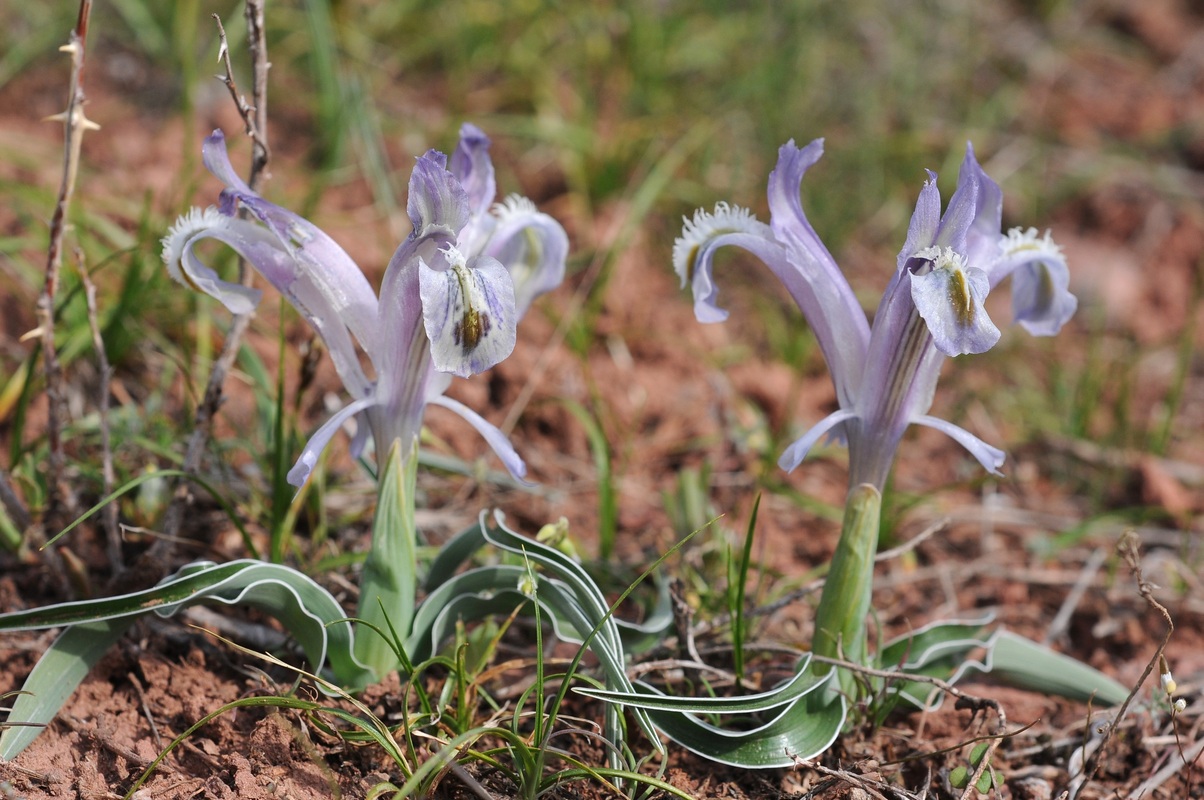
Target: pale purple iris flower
(885,375)
(449,302)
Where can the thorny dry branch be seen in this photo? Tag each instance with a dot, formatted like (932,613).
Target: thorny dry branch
(255,121)
(59,498)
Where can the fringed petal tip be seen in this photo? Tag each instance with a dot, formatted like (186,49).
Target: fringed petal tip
(184,267)
(691,257)
(1041,298)
(531,245)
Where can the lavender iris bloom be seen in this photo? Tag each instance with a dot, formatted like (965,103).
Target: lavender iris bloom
(449,302)
(886,375)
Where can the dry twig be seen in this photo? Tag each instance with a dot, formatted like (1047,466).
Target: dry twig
(1128,549)
(112,531)
(59,498)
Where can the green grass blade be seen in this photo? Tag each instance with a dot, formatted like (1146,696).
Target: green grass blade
(134,483)
(608,506)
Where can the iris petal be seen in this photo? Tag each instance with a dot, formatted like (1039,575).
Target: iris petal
(797,451)
(531,246)
(321,437)
(493,437)
(950,300)
(468,311)
(991,458)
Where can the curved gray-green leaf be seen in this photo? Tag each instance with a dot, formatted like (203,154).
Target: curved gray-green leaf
(307,611)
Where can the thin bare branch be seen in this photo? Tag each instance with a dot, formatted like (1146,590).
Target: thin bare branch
(1129,549)
(59,500)
(109,518)
(17,511)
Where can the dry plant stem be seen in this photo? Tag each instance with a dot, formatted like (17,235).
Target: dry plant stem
(853,779)
(1061,620)
(1147,787)
(1128,549)
(17,511)
(964,700)
(59,499)
(255,121)
(112,530)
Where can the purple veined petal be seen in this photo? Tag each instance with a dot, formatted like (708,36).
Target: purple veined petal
(493,437)
(322,436)
(962,209)
(949,298)
(532,247)
(797,451)
(1041,298)
(925,221)
(468,311)
(991,458)
(184,266)
(982,239)
(339,288)
(842,338)
(471,165)
(812,276)
(786,206)
(263,251)
(437,202)
(217,161)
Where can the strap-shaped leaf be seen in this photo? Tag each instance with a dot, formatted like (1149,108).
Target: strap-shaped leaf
(1024,663)
(306,610)
(803,683)
(797,732)
(60,669)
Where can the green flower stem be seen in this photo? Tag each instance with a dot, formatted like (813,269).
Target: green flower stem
(389,584)
(845,603)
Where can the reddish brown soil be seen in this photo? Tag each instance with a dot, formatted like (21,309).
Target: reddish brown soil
(649,374)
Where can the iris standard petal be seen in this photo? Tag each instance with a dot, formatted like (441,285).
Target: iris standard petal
(962,209)
(493,437)
(468,311)
(949,297)
(793,455)
(532,247)
(982,239)
(329,269)
(437,202)
(991,458)
(321,437)
(471,165)
(925,221)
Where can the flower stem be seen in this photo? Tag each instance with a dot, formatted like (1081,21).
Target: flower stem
(389,583)
(840,619)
